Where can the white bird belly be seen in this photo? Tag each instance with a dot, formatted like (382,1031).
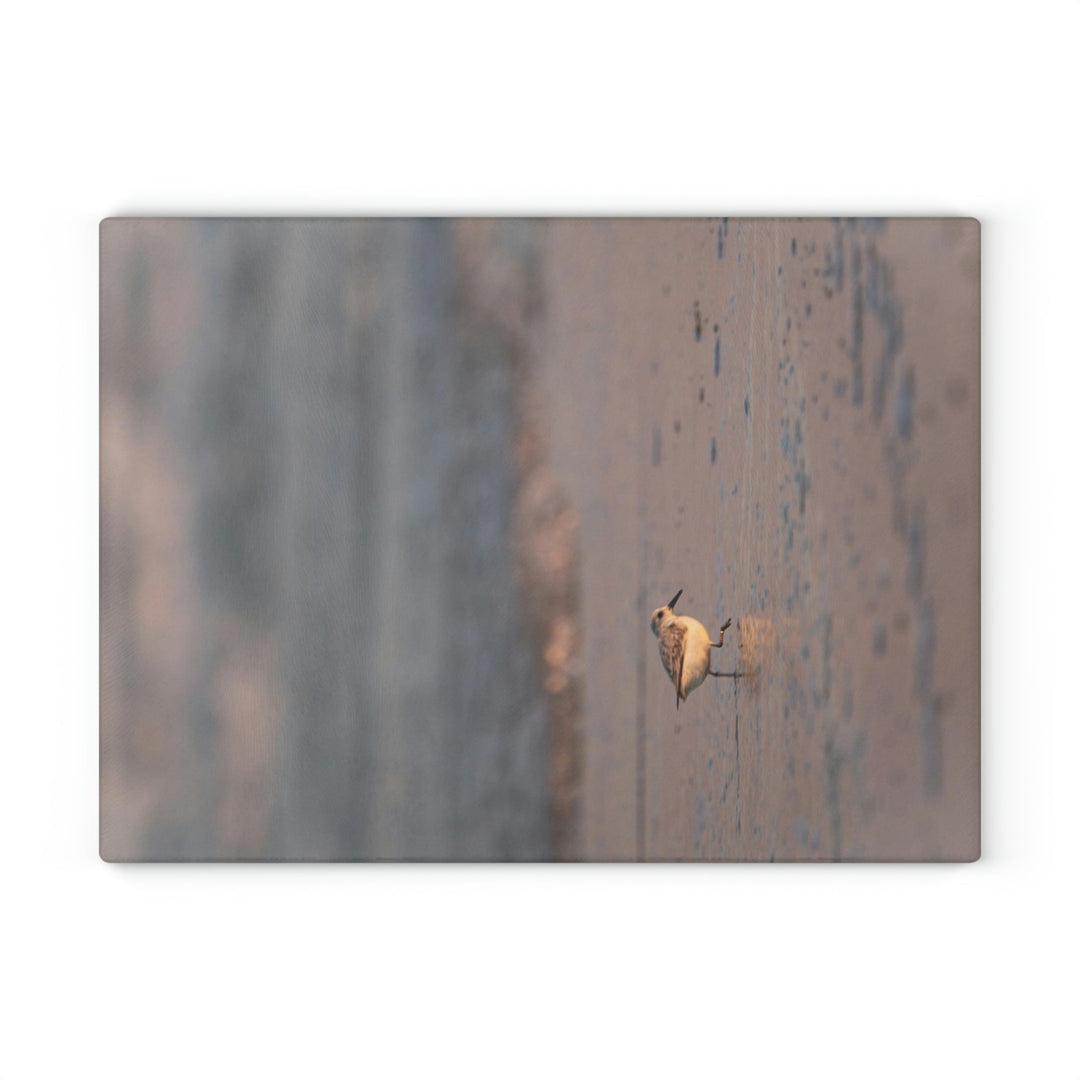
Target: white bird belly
(697,655)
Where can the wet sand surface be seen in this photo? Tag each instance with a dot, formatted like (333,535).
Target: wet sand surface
(782,419)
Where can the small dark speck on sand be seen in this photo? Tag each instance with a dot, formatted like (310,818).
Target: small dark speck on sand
(905,404)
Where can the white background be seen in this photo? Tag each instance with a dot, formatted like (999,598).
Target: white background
(561,108)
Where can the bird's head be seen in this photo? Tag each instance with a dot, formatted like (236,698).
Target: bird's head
(661,613)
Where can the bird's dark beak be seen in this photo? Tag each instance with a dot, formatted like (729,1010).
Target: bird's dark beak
(674,598)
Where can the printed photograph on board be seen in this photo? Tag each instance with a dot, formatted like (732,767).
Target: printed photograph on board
(540,539)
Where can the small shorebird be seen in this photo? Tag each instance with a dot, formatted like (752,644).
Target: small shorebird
(686,648)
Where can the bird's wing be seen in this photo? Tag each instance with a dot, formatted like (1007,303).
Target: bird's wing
(672,652)
(678,681)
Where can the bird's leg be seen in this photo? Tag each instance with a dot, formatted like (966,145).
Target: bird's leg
(720,644)
(726,674)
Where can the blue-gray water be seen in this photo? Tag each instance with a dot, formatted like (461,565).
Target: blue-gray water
(313,645)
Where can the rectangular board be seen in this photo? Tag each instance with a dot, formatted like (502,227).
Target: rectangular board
(386,506)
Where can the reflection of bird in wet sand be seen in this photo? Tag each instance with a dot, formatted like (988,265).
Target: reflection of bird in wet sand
(686,648)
